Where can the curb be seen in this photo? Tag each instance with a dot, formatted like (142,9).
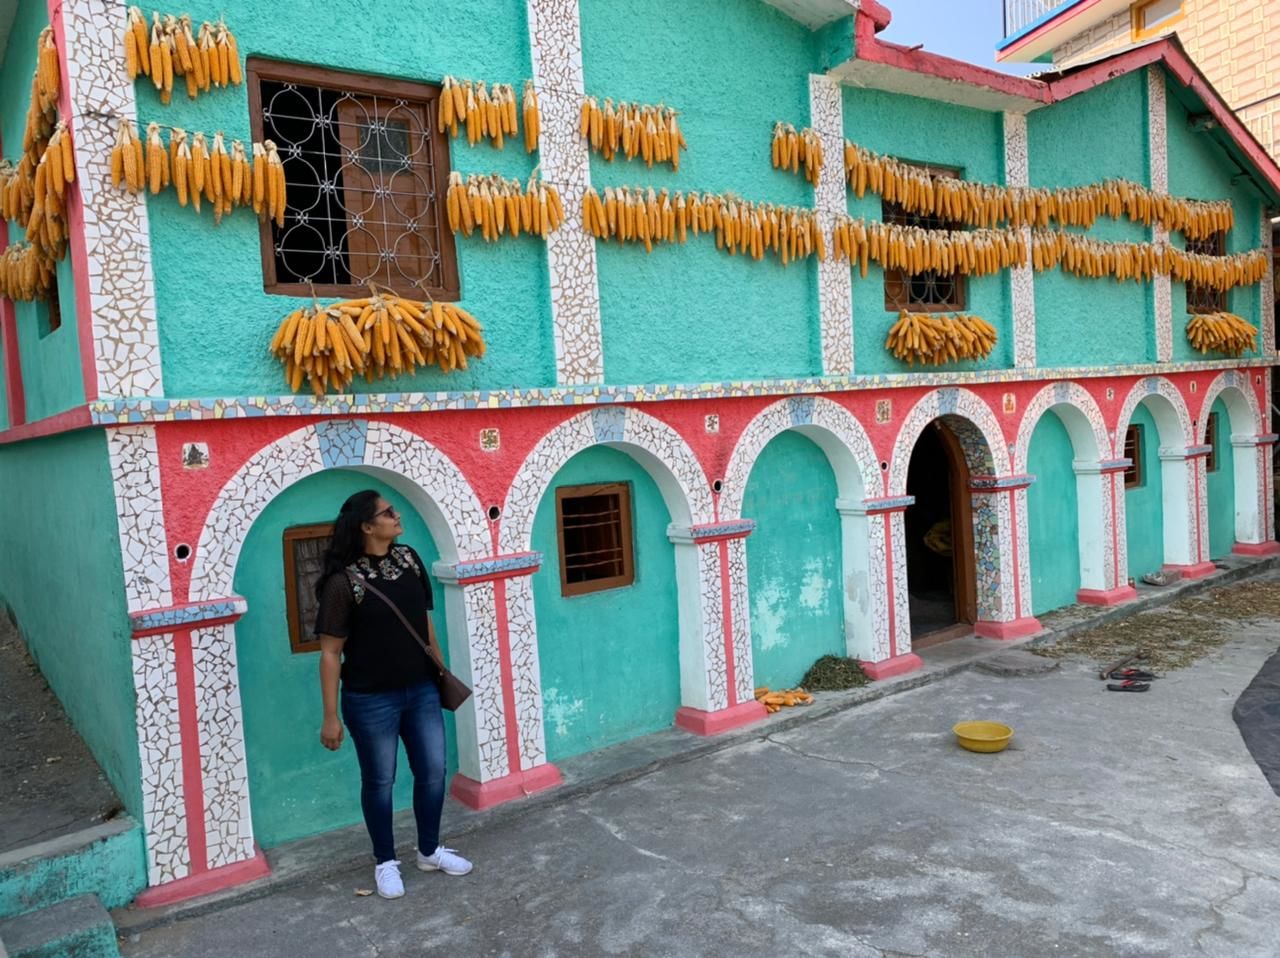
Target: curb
(679,748)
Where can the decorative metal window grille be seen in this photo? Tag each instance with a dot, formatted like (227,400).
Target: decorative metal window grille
(1133,477)
(929,291)
(366,173)
(1211,440)
(1206,299)
(594,526)
(304,549)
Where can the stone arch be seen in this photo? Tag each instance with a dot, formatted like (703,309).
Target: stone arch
(1237,393)
(973,422)
(1250,462)
(656,446)
(1079,413)
(427,477)
(1169,411)
(834,429)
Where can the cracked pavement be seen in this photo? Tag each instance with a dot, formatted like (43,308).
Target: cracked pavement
(1115,824)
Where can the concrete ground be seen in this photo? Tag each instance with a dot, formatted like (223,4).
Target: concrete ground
(1115,824)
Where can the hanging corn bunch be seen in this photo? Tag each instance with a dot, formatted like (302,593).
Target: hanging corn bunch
(26,274)
(380,335)
(1141,261)
(1222,332)
(933,339)
(172,49)
(48,71)
(792,151)
(532,117)
(128,166)
(919,190)
(739,226)
(17,190)
(650,132)
(495,206)
(488,113)
(47,223)
(916,250)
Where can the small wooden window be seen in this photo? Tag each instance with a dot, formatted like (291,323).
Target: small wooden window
(930,291)
(304,549)
(1133,451)
(1207,299)
(1153,16)
(1211,440)
(367,172)
(594,530)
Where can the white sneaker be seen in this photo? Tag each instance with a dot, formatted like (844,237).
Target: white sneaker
(444,860)
(387,875)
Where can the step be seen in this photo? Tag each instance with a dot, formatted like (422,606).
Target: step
(76,928)
(106,860)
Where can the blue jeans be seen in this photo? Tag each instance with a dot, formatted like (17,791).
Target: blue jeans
(377,722)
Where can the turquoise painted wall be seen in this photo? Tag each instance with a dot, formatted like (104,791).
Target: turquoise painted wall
(793,561)
(209,278)
(1144,509)
(924,131)
(1052,517)
(610,660)
(729,99)
(71,607)
(51,376)
(1201,169)
(1221,487)
(297,788)
(114,868)
(1092,137)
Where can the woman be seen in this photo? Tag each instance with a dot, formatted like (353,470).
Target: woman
(389,691)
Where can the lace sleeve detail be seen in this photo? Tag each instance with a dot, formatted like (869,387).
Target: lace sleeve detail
(336,603)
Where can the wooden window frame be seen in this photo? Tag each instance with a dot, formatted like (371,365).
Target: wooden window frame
(1133,477)
(258,69)
(300,641)
(623,491)
(893,213)
(1205,300)
(1211,440)
(1137,23)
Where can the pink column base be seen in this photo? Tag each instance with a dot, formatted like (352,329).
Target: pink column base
(205,883)
(1196,571)
(1256,548)
(481,795)
(713,723)
(1125,593)
(889,668)
(1017,629)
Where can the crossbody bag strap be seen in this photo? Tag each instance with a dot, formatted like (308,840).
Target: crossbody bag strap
(426,647)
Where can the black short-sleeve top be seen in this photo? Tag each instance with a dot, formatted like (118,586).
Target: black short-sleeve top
(380,654)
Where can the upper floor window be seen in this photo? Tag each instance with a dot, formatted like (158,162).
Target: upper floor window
(366,172)
(930,291)
(1207,299)
(1151,16)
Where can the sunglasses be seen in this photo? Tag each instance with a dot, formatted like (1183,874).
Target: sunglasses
(390,512)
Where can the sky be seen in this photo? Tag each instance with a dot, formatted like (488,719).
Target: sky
(965,29)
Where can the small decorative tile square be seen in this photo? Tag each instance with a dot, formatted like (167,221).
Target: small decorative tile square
(1009,404)
(490,439)
(712,423)
(884,410)
(1194,385)
(195,455)
(1111,394)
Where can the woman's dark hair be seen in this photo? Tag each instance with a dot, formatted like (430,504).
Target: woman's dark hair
(348,537)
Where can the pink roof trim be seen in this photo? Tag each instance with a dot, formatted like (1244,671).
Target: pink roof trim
(1063,16)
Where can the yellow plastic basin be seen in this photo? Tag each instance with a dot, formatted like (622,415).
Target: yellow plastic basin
(983,736)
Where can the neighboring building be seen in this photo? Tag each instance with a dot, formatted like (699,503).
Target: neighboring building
(1234,42)
(675,475)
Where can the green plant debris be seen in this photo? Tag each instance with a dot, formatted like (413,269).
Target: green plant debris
(834,673)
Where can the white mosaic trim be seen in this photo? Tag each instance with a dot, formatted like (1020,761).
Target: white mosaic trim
(712,608)
(1158,150)
(1241,398)
(1024,607)
(835,280)
(1143,389)
(1201,473)
(901,596)
(436,487)
(224,774)
(835,430)
(1064,394)
(1022,279)
(1162,291)
(135,474)
(526,673)
(1266,294)
(483,672)
(116,232)
(556,48)
(1117,499)
(661,450)
(739,608)
(962,403)
(164,816)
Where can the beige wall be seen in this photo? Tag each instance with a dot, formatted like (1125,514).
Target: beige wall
(1228,39)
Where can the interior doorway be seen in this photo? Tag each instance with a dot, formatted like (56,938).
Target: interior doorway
(941,577)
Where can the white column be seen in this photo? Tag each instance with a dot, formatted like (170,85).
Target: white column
(1093,495)
(555,42)
(1250,458)
(1021,279)
(704,683)
(1181,511)
(835,279)
(1158,144)
(865,591)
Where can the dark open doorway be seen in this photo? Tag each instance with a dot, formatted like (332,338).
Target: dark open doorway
(941,580)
